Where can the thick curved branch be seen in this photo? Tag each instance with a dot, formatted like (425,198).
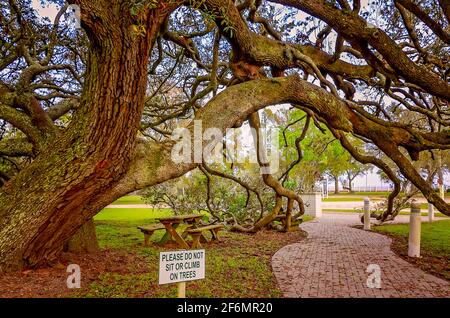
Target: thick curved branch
(268,178)
(16,148)
(432,24)
(62,108)
(21,122)
(298,140)
(243,184)
(358,32)
(260,50)
(153,164)
(366,159)
(445,5)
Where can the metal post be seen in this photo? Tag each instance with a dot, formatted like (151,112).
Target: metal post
(366,214)
(414,231)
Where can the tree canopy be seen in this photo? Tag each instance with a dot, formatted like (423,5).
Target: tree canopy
(87,115)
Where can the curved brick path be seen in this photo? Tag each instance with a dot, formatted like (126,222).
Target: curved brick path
(332,262)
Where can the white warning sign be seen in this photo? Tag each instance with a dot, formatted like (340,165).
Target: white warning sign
(181,266)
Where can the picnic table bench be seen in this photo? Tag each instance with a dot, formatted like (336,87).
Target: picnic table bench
(148,231)
(170,224)
(197,233)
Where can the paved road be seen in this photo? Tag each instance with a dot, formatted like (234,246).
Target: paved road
(333,260)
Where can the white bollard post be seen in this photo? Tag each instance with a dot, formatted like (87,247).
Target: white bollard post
(441,191)
(430,212)
(414,231)
(366,214)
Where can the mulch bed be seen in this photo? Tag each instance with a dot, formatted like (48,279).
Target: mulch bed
(437,265)
(51,282)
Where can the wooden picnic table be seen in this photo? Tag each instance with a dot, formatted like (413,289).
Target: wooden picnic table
(171,223)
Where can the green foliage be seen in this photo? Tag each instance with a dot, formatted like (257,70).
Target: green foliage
(227,199)
(138,6)
(237,204)
(435,237)
(226,23)
(435,241)
(290,184)
(210,16)
(322,153)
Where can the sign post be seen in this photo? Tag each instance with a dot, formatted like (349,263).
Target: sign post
(182,290)
(181,267)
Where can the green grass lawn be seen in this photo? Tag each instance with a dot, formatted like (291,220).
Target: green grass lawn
(435,235)
(238,266)
(435,244)
(129,199)
(132,215)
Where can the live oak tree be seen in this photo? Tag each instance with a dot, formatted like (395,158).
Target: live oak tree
(323,156)
(354,170)
(86,116)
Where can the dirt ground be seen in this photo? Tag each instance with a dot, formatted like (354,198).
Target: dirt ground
(51,282)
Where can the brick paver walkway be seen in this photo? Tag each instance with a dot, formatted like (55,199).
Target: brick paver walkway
(333,260)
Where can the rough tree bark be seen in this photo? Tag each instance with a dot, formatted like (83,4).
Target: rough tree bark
(350,179)
(84,240)
(336,185)
(46,203)
(86,169)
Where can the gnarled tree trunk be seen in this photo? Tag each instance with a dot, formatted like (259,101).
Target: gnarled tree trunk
(84,240)
(336,185)
(55,195)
